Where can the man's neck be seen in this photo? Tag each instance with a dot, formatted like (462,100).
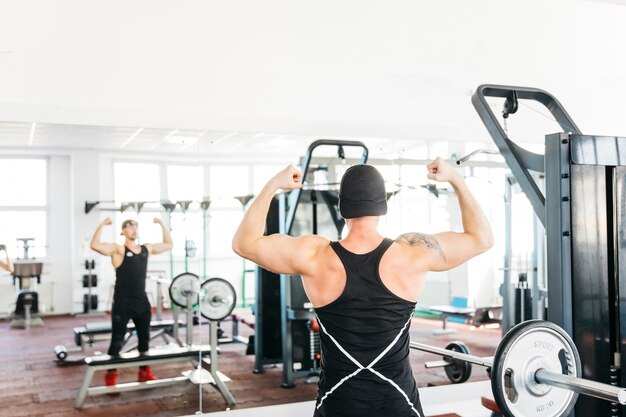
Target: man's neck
(363,233)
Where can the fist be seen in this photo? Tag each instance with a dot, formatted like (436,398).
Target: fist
(157,220)
(289,178)
(440,170)
(107,221)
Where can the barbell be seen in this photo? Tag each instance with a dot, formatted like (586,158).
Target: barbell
(216,297)
(532,359)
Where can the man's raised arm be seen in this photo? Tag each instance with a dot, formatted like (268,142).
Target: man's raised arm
(278,253)
(450,249)
(106,249)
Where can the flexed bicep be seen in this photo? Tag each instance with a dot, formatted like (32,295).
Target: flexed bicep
(284,254)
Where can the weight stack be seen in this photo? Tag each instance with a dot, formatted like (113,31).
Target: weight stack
(94,302)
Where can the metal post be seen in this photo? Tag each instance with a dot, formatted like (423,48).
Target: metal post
(189,323)
(159,307)
(505,289)
(558,230)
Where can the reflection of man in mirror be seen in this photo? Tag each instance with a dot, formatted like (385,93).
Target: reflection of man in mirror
(129,300)
(7,265)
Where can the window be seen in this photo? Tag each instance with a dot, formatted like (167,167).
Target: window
(185,227)
(185,183)
(262,174)
(223,225)
(229,181)
(136,182)
(30,189)
(23,205)
(24,224)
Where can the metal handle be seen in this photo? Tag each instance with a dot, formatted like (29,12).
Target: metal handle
(436,364)
(476,152)
(294,196)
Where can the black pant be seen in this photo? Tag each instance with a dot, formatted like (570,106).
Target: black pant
(140,312)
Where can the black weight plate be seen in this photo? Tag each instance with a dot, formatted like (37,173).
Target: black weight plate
(458,371)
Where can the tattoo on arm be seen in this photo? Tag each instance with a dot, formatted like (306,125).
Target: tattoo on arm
(424,240)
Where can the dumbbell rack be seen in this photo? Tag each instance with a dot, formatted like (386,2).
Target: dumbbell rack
(89,282)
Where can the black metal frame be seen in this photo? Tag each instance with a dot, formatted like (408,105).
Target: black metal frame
(281,319)
(584,215)
(519,160)
(289,285)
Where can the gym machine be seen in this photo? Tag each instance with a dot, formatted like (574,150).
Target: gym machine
(581,205)
(285,330)
(26,276)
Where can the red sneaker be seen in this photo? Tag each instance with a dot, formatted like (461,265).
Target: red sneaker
(110,379)
(146,375)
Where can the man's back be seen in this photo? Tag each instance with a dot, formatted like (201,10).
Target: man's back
(364,336)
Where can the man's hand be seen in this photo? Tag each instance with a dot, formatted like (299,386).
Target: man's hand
(157,220)
(439,170)
(107,221)
(289,178)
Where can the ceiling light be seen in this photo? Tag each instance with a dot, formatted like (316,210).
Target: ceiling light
(182,140)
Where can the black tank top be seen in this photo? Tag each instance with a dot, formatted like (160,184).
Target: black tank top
(364,338)
(131,275)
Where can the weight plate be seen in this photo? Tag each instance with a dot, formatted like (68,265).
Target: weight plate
(218,299)
(527,347)
(183,285)
(458,371)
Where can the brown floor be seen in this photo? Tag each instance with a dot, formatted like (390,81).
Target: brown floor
(31,384)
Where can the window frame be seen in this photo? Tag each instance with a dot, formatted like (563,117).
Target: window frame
(33,208)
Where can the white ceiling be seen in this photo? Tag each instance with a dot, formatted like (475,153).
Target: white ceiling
(264,78)
(170,143)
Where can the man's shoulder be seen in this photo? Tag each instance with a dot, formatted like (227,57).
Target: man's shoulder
(420,243)
(118,249)
(416,239)
(314,240)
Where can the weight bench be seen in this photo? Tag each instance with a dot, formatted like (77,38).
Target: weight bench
(477,317)
(236,319)
(89,332)
(152,357)
(450,311)
(487,315)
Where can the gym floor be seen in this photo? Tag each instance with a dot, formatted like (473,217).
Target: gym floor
(34,385)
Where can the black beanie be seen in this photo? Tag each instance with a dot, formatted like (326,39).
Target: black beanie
(362,193)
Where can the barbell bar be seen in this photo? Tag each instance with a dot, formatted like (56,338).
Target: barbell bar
(476,360)
(582,386)
(526,367)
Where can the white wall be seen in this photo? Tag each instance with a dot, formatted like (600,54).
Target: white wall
(58,268)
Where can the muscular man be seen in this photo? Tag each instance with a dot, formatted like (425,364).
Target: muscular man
(130,301)
(365,287)
(7,265)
